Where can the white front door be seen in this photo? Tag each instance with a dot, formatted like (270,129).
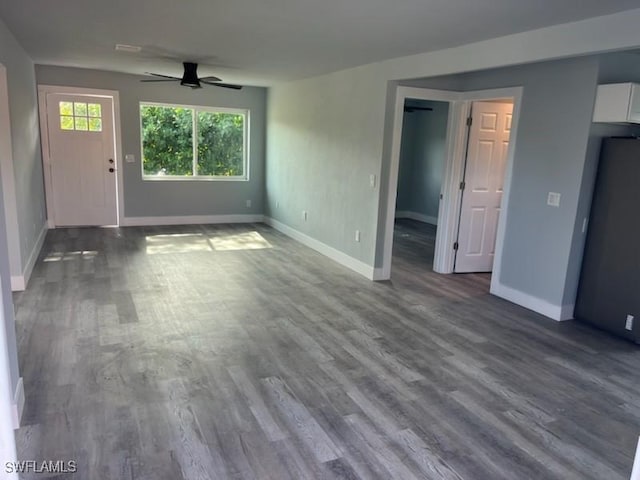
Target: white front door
(483,184)
(82,159)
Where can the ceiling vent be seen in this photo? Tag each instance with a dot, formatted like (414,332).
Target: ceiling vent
(120,47)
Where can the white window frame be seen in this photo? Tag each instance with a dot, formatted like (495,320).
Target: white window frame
(199,178)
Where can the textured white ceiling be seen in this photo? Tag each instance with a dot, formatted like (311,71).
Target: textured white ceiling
(259,42)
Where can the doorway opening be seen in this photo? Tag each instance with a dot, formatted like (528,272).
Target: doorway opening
(420,176)
(491,168)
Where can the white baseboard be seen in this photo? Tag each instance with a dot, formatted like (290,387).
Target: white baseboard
(18,404)
(419,217)
(336,255)
(189,220)
(17,283)
(20,282)
(379,274)
(635,470)
(566,312)
(556,312)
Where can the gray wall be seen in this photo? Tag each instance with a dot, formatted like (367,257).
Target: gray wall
(324,142)
(422,158)
(24,199)
(22,212)
(174,197)
(22,215)
(7,305)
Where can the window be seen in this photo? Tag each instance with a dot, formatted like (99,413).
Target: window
(80,116)
(193,142)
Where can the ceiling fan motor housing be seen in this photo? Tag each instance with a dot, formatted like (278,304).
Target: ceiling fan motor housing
(190,77)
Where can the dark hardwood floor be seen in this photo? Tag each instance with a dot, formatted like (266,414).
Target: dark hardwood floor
(234,352)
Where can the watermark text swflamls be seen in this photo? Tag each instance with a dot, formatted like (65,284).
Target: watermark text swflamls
(46,466)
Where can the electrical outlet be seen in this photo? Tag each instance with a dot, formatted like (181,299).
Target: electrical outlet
(357,235)
(248,203)
(372,181)
(304,215)
(130,158)
(553,199)
(629,324)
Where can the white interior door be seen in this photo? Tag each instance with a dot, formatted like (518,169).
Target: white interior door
(483,186)
(82,160)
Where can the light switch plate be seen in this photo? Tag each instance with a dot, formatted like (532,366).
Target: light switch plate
(129,158)
(553,199)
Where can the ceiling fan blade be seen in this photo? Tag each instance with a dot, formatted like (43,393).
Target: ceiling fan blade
(163,76)
(161,80)
(210,79)
(223,85)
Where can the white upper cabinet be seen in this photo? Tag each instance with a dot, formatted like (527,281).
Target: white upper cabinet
(617,103)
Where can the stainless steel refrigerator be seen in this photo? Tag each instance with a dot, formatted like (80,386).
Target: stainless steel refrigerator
(609,291)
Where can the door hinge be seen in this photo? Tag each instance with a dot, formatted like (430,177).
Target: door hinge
(462,185)
(469,121)
(455,246)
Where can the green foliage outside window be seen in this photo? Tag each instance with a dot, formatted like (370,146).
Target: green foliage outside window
(220,144)
(167,142)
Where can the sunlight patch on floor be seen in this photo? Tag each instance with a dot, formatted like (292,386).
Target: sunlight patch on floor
(67,256)
(199,242)
(177,243)
(240,241)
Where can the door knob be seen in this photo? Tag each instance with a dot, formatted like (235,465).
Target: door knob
(111,160)
(111,170)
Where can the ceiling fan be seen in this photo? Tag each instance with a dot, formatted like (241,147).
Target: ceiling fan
(190,78)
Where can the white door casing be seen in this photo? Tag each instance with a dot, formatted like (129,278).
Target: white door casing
(488,146)
(82,162)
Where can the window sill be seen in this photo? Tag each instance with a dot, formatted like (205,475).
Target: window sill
(169,178)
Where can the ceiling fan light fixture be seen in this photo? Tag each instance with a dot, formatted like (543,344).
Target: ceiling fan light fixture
(190,76)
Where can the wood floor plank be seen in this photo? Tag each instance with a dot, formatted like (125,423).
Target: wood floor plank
(301,421)
(429,462)
(256,404)
(379,450)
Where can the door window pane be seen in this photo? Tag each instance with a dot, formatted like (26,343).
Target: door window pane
(66,123)
(95,125)
(81,123)
(79,109)
(94,110)
(66,108)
